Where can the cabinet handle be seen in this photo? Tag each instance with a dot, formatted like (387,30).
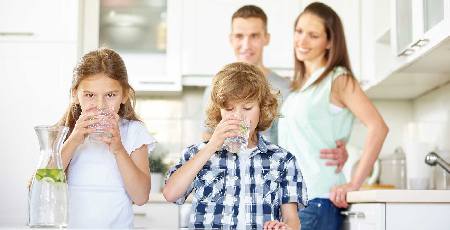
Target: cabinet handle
(406,52)
(350,214)
(25,34)
(420,43)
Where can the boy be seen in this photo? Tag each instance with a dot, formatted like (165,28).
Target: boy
(255,188)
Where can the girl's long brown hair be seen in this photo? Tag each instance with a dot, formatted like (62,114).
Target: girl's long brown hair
(104,61)
(337,55)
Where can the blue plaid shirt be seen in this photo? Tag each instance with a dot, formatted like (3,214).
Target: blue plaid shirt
(273,179)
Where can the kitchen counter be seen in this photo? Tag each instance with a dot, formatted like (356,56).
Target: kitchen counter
(159,198)
(399,196)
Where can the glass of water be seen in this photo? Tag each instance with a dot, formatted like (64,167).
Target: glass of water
(238,143)
(101,125)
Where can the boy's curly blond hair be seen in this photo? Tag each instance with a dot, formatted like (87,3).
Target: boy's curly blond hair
(238,82)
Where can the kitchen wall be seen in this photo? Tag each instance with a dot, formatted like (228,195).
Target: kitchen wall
(431,110)
(174,120)
(176,124)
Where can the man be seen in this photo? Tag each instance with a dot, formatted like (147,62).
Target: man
(248,38)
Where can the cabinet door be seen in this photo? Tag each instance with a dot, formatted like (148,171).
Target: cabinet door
(407,216)
(49,20)
(418,23)
(156,216)
(35,91)
(206,29)
(365,217)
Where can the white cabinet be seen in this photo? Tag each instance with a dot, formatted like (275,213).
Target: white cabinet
(38,50)
(206,28)
(408,56)
(39,21)
(156,216)
(365,217)
(147,35)
(397,216)
(376,57)
(418,23)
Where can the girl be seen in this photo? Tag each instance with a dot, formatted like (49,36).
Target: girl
(109,171)
(320,110)
(260,186)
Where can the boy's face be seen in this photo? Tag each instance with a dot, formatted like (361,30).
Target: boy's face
(248,38)
(101,92)
(248,110)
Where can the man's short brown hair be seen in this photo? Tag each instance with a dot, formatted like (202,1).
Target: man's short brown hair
(251,11)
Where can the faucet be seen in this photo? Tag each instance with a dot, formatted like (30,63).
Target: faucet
(433,158)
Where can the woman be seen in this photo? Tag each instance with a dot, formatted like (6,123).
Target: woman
(319,112)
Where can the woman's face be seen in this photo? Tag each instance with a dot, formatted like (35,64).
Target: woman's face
(310,39)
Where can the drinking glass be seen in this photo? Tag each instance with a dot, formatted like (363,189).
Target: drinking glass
(101,125)
(238,143)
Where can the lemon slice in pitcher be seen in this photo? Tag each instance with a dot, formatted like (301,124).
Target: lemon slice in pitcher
(50,175)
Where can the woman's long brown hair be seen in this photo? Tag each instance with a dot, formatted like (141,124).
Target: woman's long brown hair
(104,61)
(337,55)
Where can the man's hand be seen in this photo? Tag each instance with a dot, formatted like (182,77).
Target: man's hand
(336,157)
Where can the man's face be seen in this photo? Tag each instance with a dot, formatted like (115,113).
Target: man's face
(248,38)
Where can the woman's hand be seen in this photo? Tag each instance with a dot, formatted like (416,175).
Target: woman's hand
(338,194)
(228,127)
(275,224)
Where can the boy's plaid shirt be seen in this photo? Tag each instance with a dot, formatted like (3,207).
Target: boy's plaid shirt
(273,179)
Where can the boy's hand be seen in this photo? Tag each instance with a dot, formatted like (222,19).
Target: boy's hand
(275,224)
(336,157)
(228,127)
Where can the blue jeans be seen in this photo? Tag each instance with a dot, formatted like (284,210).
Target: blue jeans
(321,214)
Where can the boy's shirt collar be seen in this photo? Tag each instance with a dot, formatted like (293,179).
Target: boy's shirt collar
(262,145)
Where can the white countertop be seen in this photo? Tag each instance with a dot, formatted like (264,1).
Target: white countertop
(159,198)
(399,196)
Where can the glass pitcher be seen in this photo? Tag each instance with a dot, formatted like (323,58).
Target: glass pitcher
(47,201)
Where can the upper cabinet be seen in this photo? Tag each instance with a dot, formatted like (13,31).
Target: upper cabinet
(146,33)
(206,28)
(410,53)
(38,21)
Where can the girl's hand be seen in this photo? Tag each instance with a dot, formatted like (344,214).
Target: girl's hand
(228,127)
(81,128)
(338,194)
(275,224)
(112,136)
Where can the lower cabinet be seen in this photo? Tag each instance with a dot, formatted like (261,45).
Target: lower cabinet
(156,216)
(398,216)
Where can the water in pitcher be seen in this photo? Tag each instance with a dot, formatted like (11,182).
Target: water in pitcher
(47,201)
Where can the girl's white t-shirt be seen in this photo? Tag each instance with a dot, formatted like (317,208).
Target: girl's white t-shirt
(97,195)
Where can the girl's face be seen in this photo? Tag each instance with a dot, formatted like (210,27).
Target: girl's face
(101,92)
(310,39)
(246,110)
